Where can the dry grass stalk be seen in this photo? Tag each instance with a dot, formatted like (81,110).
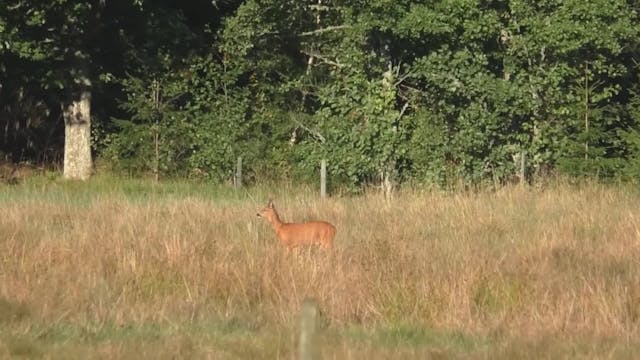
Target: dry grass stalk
(519,263)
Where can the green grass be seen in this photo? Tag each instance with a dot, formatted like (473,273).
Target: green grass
(238,339)
(242,338)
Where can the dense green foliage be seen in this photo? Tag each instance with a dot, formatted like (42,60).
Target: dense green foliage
(435,92)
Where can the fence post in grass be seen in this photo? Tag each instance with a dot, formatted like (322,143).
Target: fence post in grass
(238,178)
(323,179)
(307,342)
(523,168)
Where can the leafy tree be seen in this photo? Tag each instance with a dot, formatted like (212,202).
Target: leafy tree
(568,54)
(386,91)
(53,41)
(50,56)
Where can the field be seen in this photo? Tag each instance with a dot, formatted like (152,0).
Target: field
(124,269)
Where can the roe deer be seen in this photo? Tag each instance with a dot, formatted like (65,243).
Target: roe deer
(295,234)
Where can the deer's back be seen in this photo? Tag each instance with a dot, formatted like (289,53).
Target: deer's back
(313,232)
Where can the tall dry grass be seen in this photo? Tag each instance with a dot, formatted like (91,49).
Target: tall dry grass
(517,266)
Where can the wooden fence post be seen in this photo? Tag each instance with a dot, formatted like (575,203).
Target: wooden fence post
(238,178)
(323,179)
(307,345)
(523,168)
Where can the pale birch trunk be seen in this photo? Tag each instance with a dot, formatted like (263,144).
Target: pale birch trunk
(77,138)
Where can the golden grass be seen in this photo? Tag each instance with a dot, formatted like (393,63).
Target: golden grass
(489,275)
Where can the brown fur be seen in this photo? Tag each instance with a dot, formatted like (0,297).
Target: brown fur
(292,235)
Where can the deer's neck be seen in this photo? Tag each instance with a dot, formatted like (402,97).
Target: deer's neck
(276,223)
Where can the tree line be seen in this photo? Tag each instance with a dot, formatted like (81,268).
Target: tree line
(436,92)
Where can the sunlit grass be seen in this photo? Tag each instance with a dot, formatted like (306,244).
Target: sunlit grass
(117,268)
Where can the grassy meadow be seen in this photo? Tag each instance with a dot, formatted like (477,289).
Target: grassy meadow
(125,269)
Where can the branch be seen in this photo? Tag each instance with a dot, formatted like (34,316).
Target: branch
(316,134)
(404,108)
(306,33)
(323,58)
(404,77)
(411,88)
(323,30)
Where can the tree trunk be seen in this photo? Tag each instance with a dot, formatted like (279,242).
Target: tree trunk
(77,137)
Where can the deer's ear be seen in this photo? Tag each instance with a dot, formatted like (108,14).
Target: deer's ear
(270,204)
